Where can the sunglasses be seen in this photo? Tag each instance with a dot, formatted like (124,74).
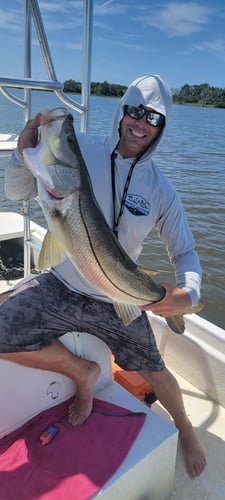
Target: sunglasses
(152,118)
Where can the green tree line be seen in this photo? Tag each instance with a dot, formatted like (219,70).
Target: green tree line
(97,88)
(200,95)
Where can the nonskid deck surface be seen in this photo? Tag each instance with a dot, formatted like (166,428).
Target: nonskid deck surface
(208,419)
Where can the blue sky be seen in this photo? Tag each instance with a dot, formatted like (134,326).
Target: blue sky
(183,41)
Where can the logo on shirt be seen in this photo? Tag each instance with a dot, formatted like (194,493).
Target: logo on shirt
(137,205)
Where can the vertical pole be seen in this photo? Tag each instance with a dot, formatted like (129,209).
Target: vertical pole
(86,68)
(27,98)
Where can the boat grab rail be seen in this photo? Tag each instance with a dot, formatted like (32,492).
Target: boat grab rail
(31,8)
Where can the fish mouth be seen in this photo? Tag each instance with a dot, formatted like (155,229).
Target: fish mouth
(53,115)
(53,195)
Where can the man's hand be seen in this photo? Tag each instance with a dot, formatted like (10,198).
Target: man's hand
(28,138)
(176,301)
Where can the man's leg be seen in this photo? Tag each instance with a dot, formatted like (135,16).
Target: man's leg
(168,393)
(59,359)
(31,320)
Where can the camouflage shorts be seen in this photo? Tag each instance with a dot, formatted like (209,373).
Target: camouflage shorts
(43,309)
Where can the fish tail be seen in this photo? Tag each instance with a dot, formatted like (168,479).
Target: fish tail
(176,323)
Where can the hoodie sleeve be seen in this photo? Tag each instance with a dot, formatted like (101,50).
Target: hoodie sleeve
(174,231)
(19,182)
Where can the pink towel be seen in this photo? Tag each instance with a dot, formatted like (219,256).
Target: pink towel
(76,463)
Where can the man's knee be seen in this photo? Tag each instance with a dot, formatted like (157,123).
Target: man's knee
(155,377)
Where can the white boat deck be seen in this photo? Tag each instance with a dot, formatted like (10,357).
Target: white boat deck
(208,418)
(200,358)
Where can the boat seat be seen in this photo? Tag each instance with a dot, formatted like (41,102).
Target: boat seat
(25,392)
(8,142)
(40,389)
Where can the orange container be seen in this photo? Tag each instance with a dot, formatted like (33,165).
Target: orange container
(133,383)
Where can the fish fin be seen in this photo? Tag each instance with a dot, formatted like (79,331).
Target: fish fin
(147,271)
(127,312)
(150,272)
(194,309)
(52,252)
(176,323)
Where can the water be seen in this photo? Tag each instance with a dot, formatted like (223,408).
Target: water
(192,155)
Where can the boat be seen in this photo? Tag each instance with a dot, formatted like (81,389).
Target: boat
(153,468)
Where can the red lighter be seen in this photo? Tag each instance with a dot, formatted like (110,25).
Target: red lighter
(48,434)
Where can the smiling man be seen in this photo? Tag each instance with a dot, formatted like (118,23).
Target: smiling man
(135,133)
(135,197)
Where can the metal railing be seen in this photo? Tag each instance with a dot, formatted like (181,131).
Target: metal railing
(32,11)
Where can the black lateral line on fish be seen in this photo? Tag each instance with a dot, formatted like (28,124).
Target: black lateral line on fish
(97,260)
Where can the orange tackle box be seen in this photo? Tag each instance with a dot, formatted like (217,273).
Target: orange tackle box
(133,383)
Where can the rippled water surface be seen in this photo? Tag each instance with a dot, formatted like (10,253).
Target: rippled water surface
(192,155)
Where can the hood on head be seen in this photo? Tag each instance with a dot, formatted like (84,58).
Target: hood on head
(150,91)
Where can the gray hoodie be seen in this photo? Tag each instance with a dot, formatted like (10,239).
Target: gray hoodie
(151,200)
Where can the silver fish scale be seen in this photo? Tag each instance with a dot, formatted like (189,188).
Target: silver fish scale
(97,256)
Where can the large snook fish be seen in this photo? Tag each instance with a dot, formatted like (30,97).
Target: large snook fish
(77,226)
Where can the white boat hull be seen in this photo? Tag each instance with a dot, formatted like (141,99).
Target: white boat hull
(196,358)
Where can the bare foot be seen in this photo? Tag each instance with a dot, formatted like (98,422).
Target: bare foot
(81,406)
(193,452)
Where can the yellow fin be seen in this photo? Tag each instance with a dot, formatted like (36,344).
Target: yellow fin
(52,252)
(145,270)
(194,309)
(127,312)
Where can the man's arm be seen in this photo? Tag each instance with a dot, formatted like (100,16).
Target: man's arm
(174,231)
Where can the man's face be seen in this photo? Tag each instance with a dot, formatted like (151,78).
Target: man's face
(136,135)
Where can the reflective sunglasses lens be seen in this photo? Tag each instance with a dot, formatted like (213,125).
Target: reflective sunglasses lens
(154,119)
(134,112)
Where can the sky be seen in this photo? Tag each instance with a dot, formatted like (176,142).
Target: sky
(183,41)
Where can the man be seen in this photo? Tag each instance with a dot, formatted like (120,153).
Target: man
(134,197)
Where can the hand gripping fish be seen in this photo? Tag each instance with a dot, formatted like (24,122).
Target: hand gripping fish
(77,226)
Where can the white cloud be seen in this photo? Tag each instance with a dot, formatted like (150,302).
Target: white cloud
(74,46)
(217,47)
(109,7)
(125,44)
(60,6)
(10,20)
(179,19)
(51,7)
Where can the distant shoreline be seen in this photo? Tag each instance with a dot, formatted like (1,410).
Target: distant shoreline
(202,96)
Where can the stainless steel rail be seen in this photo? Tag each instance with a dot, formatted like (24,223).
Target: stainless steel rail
(31,10)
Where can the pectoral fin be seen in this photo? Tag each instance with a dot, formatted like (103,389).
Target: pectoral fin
(52,252)
(147,271)
(150,272)
(194,309)
(127,312)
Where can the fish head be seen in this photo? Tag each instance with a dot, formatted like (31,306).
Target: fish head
(55,161)
(60,155)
